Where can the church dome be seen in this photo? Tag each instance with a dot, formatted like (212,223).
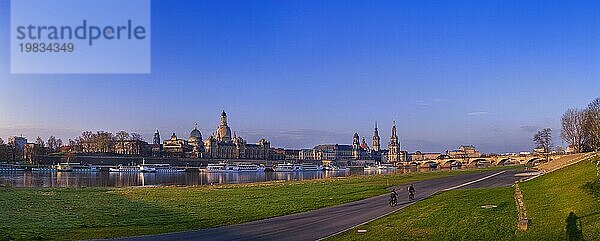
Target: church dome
(195,133)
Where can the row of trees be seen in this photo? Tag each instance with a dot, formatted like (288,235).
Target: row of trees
(102,141)
(53,144)
(581,127)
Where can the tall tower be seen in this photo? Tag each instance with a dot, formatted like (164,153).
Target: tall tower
(376,138)
(223,132)
(356,146)
(394,147)
(156,137)
(223,118)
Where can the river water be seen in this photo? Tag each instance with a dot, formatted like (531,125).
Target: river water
(120,179)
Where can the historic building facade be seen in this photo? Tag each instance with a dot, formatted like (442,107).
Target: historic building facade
(222,145)
(175,147)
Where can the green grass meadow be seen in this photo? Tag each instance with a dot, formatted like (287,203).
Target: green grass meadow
(563,205)
(85,213)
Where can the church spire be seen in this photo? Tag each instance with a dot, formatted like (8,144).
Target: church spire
(376,138)
(223,118)
(394,138)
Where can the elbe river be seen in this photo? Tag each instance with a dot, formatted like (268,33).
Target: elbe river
(121,179)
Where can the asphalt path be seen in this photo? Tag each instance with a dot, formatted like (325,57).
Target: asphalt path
(326,222)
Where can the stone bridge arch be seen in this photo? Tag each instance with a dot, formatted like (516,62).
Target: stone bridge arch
(477,161)
(504,161)
(533,161)
(448,163)
(428,163)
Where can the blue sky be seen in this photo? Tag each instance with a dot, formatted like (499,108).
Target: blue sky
(301,73)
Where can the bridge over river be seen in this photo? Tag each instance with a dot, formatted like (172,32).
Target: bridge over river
(529,160)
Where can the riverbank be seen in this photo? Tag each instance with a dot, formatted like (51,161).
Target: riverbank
(84,213)
(454,215)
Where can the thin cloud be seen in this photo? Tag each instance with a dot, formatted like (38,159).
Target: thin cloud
(477,113)
(422,103)
(529,129)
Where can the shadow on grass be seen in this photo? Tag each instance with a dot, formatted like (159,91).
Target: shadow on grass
(573,230)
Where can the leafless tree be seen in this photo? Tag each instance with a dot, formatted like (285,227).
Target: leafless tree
(40,142)
(573,128)
(122,136)
(1,141)
(104,141)
(136,137)
(543,139)
(52,143)
(59,143)
(593,125)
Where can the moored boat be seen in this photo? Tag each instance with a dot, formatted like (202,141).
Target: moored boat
(287,167)
(386,167)
(84,168)
(43,169)
(249,167)
(311,167)
(11,168)
(166,168)
(335,168)
(221,167)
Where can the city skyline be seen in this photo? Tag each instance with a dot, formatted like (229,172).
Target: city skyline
(302,75)
(209,132)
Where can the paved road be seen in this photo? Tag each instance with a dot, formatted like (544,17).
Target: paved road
(324,222)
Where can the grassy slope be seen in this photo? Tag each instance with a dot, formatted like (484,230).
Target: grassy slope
(453,215)
(457,214)
(82,213)
(551,198)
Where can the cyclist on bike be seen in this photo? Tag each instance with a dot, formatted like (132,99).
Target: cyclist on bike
(411,192)
(393,197)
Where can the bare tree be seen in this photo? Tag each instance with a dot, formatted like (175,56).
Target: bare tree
(573,128)
(52,143)
(105,141)
(136,137)
(122,136)
(1,141)
(592,127)
(543,139)
(59,144)
(40,142)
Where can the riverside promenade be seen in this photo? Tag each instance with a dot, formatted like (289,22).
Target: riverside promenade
(325,222)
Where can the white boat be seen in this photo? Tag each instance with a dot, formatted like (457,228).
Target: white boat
(166,168)
(61,167)
(311,167)
(44,169)
(139,168)
(81,168)
(288,167)
(121,168)
(249,167)
(386,167)
(335,168)
(11,168)
(221,167)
